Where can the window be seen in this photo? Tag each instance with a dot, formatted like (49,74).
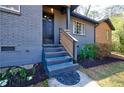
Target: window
(107,35)
(78,28)
(10,8)
(7,48)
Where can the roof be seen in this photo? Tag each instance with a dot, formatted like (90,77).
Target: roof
(74,7)
(108,21)
(84,17)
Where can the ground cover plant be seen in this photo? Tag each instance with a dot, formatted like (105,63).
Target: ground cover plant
(19,76)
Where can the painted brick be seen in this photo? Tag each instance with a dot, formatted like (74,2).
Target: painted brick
(23,31)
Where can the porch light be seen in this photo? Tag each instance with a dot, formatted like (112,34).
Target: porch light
(51,10)
(45,16)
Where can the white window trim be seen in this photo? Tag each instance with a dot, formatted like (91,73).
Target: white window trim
(6,9)
(84,32)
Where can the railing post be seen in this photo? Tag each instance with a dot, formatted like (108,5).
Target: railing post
(60,30)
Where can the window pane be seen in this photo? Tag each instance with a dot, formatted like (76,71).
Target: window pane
(77,27)
(82,30)
(74,27)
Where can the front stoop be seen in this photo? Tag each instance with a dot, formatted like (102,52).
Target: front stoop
(85,81)
(57,60)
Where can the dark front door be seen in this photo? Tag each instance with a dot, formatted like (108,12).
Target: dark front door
(48,28)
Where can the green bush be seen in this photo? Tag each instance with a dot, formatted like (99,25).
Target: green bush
(88,51)
(103,50)
(17,75)
(118,46)
(45,83)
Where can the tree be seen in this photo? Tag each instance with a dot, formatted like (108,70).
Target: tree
(113,10)
(83,10)
(88,10)
(118,34)
(100,13)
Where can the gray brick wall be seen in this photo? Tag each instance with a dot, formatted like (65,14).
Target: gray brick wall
(23,31)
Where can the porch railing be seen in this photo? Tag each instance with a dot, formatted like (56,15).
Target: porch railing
(69,43)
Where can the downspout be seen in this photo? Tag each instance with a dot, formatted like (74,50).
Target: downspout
(94,34)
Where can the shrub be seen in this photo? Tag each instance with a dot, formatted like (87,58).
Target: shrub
(92,51)
(16,75)
(103,50)
(45,83)
(89,51)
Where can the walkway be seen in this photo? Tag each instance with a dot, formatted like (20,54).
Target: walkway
(117,55)
(85,81)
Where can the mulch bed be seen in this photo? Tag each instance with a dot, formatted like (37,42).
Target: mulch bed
(87,63)
(38,77)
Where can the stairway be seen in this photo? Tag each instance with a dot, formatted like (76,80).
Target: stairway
(57,60)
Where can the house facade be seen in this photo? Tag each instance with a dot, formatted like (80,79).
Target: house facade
(20,35)
(104,31)
(26,30)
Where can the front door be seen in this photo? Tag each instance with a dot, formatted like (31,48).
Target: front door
(48,28)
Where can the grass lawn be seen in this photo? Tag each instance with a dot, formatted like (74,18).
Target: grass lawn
(109,75)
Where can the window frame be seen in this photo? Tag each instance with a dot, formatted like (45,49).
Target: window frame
(83,32)
(9,10)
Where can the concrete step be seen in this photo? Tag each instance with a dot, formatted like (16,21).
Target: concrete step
(60,68)
(53,49)
(55,54)
(58,60)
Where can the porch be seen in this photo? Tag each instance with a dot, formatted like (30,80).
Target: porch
(59,46)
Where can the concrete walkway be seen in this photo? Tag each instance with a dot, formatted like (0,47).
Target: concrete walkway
(85,81)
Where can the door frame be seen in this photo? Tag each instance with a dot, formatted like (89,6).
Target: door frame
(43,26)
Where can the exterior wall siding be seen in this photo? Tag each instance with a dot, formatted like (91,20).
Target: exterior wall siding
(23,31)
(88,38)
(101,33)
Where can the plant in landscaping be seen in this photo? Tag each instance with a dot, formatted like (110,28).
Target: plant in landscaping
(15,75)
(22,75)
(33,71)
(45,83)
(88,51)
(103,50)
(3,79)
(82,54)
(29,78)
